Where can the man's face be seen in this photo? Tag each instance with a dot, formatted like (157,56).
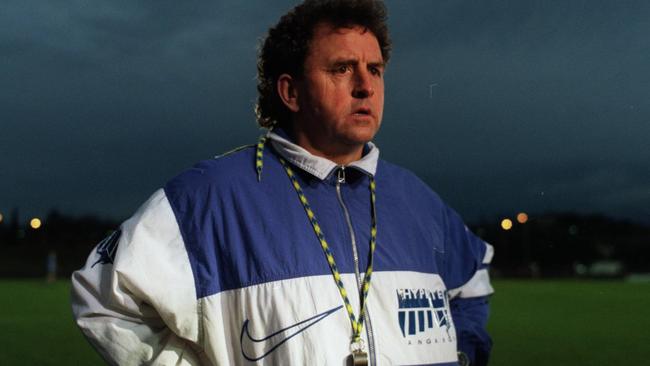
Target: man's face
(341,96)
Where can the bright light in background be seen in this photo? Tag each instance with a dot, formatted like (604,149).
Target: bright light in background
(35,223)
(506,224)
(522,218)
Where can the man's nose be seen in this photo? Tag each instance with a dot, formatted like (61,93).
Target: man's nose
(362,85)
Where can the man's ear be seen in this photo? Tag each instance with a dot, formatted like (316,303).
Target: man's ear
(288,92)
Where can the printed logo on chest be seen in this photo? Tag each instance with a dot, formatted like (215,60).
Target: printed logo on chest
(423,316)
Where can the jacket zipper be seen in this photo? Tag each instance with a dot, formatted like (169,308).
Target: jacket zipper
(355,254)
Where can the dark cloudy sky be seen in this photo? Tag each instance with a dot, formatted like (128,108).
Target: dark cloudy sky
(500,106)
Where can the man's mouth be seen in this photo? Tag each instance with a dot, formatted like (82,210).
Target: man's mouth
(363,111)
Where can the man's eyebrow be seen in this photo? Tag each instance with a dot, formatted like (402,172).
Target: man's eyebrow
(344,61)
(354,61)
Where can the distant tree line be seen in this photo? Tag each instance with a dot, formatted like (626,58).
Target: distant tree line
(24,251)
(568,244)
(550,245)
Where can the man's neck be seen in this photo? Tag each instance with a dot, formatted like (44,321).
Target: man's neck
(341,154)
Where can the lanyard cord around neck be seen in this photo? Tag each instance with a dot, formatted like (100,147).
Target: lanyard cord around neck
(357,326)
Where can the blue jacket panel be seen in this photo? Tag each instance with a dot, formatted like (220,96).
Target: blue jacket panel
(240,231)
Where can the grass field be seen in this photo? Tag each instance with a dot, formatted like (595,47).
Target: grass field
(532,323)
(37,328)
(546,323)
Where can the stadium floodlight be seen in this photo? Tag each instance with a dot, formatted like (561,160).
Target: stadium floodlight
(506,224)
(35,223)
(522,217)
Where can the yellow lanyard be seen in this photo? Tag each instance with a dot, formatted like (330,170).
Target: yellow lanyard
(357,326)
(365,286)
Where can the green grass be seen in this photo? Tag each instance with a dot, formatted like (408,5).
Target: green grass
(36,326)
(532,323)
(570,323)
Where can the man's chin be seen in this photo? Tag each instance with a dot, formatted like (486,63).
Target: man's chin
(358,139)
(360,135)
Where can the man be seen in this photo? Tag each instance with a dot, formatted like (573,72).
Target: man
(305,249)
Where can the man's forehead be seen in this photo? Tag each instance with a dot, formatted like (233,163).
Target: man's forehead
(345,47)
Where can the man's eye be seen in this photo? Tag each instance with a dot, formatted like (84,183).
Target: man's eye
(342,69)
(375,71)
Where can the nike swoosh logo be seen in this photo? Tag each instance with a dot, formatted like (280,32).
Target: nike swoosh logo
(246,337)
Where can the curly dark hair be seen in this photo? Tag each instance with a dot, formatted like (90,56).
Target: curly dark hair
(286,46)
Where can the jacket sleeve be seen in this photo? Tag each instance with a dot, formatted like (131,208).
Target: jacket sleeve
(135,299)
(467,262)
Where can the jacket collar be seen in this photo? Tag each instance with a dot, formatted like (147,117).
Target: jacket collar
(316,165)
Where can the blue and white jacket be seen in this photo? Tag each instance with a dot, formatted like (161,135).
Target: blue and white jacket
(220,268)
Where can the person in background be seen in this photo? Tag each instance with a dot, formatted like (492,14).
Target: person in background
(50,266)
